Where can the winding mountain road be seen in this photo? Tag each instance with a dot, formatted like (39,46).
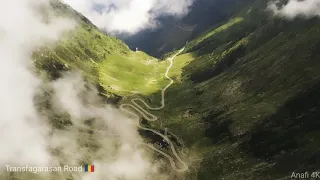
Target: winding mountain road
(150,117)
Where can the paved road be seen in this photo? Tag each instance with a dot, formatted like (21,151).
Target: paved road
(127,108)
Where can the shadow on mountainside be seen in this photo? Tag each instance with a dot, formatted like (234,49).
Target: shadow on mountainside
(221,66)
(293,131)
(218,127)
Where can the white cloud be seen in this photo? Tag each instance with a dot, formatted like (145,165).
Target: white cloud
(129,16)
(294,8)
(118,157)
(22,131)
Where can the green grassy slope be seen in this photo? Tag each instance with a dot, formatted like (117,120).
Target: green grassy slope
(104,60)
(136,73)
(247,98)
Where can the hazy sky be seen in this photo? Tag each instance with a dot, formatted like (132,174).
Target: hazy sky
(129,16)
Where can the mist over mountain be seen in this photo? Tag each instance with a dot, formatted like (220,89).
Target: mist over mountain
(129,16)
(236,94)
(173,32)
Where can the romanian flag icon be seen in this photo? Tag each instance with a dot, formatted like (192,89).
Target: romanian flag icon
(89,168)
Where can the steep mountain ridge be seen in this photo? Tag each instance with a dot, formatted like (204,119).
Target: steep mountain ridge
(104,60)
(173,33)
(248,97)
